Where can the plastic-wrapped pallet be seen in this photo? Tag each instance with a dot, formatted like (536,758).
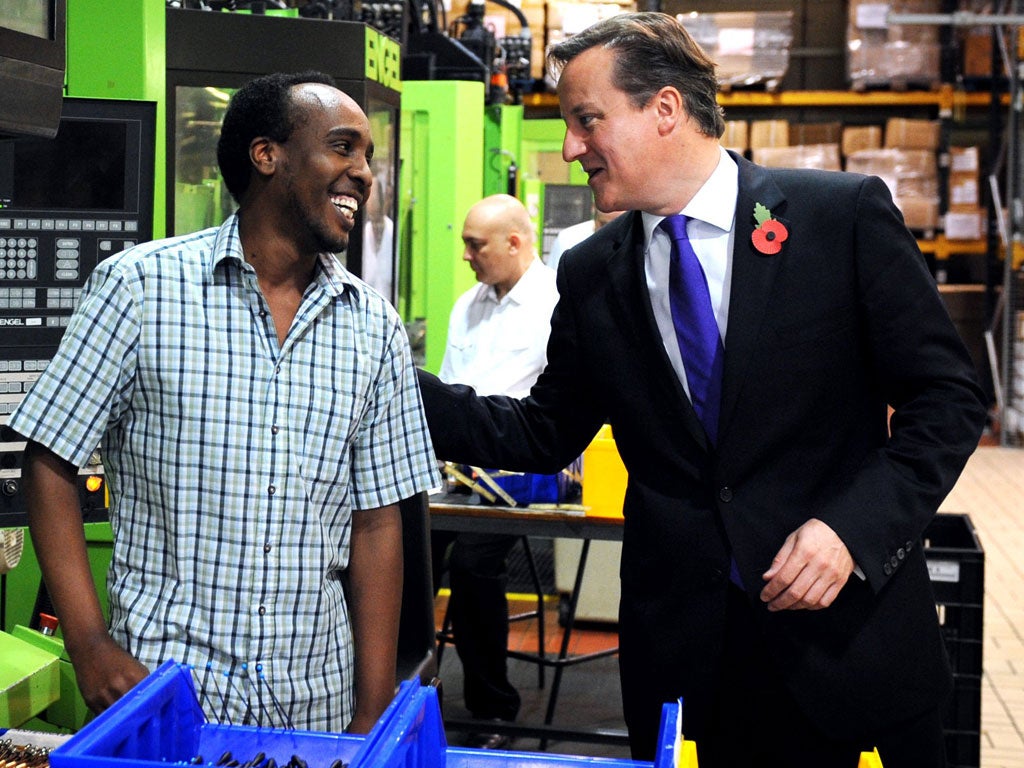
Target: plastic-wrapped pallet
(891,55)
(750,48)
(912,178)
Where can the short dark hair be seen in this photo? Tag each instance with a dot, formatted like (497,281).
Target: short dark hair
(261,107)
(652,50)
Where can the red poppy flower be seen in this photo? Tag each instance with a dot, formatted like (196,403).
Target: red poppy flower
(768,237)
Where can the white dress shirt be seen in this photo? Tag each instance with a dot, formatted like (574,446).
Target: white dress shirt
(567,238)
(499,347)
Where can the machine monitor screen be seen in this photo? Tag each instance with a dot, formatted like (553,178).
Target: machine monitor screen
(83,168)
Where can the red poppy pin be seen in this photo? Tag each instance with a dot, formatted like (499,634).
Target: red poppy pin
(770,233)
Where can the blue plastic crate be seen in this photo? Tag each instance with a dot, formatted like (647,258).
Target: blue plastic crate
(159,721)
(414,738)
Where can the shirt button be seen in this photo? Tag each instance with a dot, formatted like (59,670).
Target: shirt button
(271,490)
(262,610)
(266,547)
(263,313)
(277,369)
(274,429)
(725,494)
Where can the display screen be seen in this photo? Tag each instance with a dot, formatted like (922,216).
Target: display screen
(32,17)
(83,168)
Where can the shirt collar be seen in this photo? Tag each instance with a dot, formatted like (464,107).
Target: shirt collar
(332,275)
(519,291)
(714,203)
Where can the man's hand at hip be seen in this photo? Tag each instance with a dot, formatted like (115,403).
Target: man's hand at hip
(809,570)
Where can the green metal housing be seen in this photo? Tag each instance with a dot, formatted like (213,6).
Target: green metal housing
(441,149)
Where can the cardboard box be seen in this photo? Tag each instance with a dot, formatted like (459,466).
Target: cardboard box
(769,133)
(907,133)
(859,137)
(964,183)
(976,47)
(964,191)
(919,212)
(815,133)
(822,156)
(965,224)
(964,160)
(736,136)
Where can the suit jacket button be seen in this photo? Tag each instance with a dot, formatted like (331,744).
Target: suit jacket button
(725,494)
(901,553)
(908,546)
(887,569)
(894,562)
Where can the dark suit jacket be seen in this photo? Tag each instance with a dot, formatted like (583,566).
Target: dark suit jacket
(822,337)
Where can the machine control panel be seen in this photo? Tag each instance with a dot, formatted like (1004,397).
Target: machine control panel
(66,204)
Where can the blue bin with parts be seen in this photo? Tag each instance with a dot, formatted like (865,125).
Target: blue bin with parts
(159,721)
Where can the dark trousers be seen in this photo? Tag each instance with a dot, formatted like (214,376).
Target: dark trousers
(753,720)
(477,566)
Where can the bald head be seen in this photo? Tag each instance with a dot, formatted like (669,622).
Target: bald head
(499,241)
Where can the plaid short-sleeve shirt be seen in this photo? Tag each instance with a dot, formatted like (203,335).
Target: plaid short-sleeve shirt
(234,464)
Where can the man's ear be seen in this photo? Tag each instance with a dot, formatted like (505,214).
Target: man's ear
(263,153)
(671,108)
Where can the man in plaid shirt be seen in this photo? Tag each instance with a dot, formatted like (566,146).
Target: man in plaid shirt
(259,421)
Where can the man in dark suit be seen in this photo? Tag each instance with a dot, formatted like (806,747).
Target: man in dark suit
(772,570)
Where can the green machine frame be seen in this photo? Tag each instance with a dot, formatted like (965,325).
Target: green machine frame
(94,29)
(441,150)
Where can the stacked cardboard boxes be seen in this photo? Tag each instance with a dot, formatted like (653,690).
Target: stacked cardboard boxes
(908,164)
(965,218)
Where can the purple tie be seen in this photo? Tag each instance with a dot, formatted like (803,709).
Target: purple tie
(696,329)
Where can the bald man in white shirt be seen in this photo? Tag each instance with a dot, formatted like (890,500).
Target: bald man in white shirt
(497,336)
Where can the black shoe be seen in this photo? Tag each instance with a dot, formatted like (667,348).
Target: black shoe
(489,740)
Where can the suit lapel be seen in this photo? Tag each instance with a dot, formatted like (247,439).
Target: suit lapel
(752,276)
